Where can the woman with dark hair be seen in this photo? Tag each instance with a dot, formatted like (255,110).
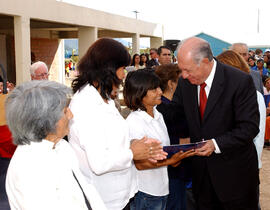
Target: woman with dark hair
(143,60)
(98,133)
(141,94)
(178,133)
(136,62)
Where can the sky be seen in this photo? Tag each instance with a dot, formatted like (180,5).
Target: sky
(228,20)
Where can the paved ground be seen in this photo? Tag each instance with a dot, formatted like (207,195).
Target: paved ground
(265,181)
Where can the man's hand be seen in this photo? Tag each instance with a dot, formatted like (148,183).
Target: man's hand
(207,149)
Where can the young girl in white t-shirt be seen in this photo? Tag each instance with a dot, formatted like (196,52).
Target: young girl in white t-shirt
(142,93)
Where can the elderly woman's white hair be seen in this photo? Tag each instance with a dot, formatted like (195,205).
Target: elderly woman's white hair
(34,108)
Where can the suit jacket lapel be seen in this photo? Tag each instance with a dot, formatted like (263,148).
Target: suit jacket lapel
(215,91)
(192,104)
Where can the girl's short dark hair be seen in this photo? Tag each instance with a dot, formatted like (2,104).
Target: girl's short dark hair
(98,66)
(167,72)
(136,86)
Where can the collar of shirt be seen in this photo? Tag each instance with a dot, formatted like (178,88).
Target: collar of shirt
(44,144)
(147,117)
(208,81)
(89,89)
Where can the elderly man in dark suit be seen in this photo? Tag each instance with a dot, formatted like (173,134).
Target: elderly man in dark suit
(221,107)
(242,49)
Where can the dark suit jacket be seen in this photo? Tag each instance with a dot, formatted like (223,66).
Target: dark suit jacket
(231,117)
(152,63)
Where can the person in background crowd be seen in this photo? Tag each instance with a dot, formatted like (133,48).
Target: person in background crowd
(267,52)
(266,88)
(232,58)
(164,55)
(268,66)
(252,63)
(154,58)
(10,87)
(143,60)
(221,107)
(136,62)
(242,49)
(141,94)
(265,58)
(147,57)
(7,148)
(39,71)
(169,75)
(67,70)
(251,53)
(70,65)
(258,54)
(260,68)
(44,172)
(98,133)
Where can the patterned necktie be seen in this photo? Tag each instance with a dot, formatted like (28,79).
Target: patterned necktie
(203,99)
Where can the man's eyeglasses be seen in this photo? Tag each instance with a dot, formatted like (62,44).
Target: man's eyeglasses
(169,54)
(42,75)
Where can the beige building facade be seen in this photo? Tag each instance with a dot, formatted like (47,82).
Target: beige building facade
(40,27)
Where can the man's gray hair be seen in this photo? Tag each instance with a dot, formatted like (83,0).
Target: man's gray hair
(232,47)
(202,51)
(36,65)
(34,108)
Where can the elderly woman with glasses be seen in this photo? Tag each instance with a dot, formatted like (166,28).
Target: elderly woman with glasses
(43,172)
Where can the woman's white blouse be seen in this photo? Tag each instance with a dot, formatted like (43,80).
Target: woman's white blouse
(150,181)
(40,177)
(99,137)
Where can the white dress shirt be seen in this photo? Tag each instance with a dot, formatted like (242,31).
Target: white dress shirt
(207,89)
(99,137)
(259,139)
(40,177)
(150,181)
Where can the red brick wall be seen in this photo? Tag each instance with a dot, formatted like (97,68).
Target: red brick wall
(45,50)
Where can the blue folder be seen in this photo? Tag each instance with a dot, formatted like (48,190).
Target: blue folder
(172,149)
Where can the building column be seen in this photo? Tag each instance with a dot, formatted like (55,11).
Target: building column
(61,56)
(135,43)
(87,36)
(156,42)
(22,48)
